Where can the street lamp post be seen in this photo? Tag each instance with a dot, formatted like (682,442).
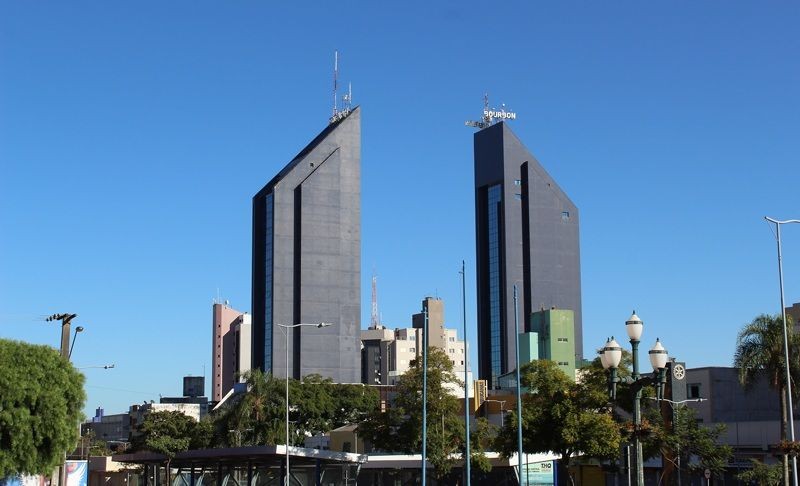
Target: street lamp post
(519,392)
(786,339)
(611,357)
(66,352)
(77,330)
(467,473)
(673,404)
(286,328)
(423,473)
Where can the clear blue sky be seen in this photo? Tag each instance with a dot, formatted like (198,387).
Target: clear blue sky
(133,136)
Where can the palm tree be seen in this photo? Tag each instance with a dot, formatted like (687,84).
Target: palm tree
(760,352)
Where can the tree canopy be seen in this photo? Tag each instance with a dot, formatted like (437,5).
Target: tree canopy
(40,408)
(561,416)
(316,405)
(399,429)
(760,352)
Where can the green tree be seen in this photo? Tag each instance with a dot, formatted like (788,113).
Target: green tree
(400,428)
(171,432)
(41,398)
(762,474)
(257,418)
(317,405)
(688,444)
(561,416)
(760,353)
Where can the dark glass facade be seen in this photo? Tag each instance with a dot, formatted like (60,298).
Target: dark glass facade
(526,235)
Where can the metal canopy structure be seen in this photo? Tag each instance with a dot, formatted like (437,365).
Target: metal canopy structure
(254,465)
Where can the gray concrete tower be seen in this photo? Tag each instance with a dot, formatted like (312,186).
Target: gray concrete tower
(307,259)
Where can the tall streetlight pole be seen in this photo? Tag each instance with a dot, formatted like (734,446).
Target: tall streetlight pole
(519,392)
(466,376)
(286,328)
(786,339)
(611,357)
(424,395)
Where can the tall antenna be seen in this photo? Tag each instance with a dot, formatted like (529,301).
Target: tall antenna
(335,82)
(375,321)
(347,99)
(491,116)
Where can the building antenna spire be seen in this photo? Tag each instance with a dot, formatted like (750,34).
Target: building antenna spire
(375,321)
(335,81)
(347,99)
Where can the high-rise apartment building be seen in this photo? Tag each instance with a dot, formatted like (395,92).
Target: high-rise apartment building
(526,234)
(387,354)
(223,355)
(307,259)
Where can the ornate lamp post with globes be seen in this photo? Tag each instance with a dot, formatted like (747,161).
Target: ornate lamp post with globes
(610,358)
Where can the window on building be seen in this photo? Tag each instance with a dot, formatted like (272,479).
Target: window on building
(453,351)
(452,339)
(563,340)
(517,182)
(562,363)
(564,215)
(413,350)
(518,196)
(693,390)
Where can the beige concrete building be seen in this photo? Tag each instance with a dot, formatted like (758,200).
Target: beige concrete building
(387,354)
(231,351)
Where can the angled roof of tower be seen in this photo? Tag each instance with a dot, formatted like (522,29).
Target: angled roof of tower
(355,113)
(504,133)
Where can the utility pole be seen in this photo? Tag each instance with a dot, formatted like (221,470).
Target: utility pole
(65,321)
(65,325)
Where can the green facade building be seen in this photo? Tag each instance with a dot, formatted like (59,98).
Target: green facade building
(555,329)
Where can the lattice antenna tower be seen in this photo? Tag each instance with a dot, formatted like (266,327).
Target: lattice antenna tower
(347,99)
(375,321)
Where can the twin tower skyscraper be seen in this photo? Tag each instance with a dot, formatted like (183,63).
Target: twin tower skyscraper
(307,254)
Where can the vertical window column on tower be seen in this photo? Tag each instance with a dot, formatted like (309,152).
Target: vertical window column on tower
(269,233)
(494,212)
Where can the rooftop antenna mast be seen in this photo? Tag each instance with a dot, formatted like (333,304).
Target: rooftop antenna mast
(347,99)
(335,82)
(491,116)
(375,322)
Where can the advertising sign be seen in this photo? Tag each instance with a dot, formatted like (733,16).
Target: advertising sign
(539,473)
(77,473)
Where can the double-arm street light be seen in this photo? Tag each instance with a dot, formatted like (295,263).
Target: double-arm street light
(286,328)
(778,224)
(673,403)
(611,356)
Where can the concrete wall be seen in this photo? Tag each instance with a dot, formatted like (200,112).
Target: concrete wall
(314,265)
(752,416)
